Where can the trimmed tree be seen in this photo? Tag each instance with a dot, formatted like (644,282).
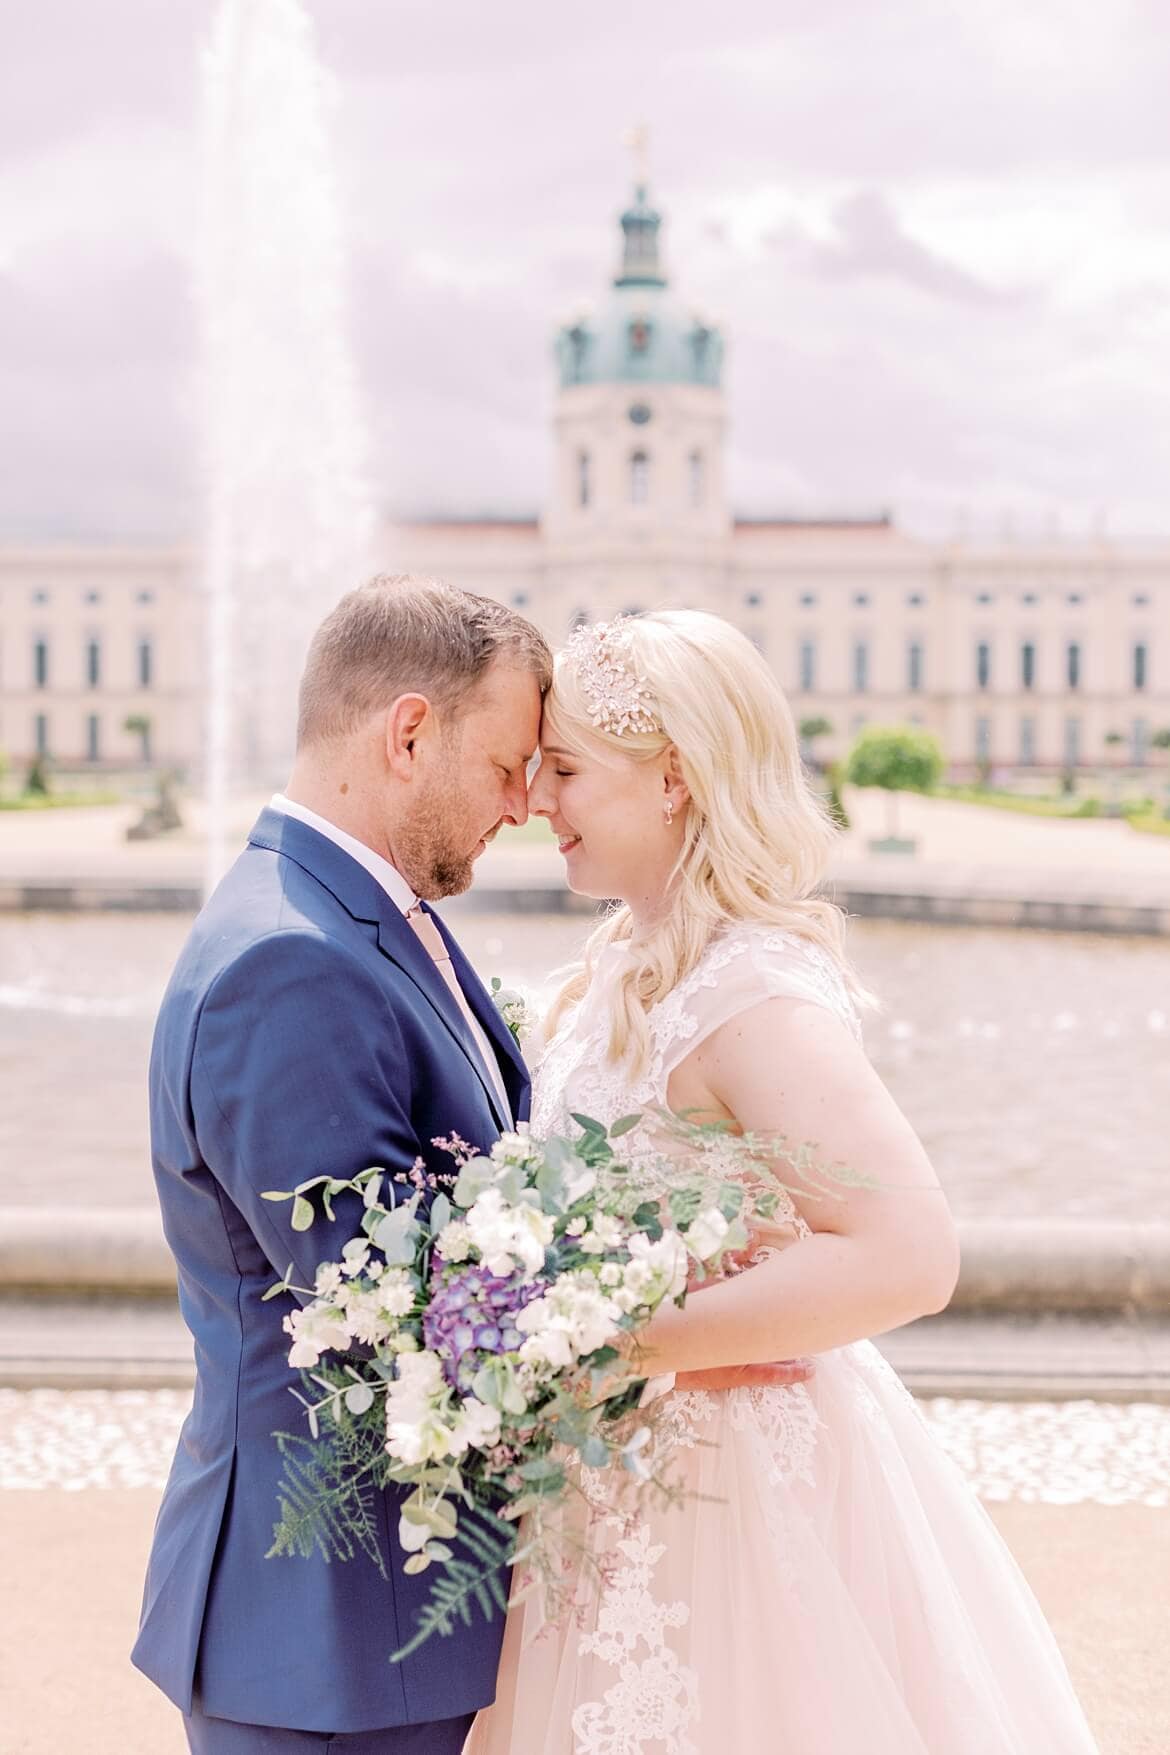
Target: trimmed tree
(1161,741)
(810,730)
(896,758)
(138,725)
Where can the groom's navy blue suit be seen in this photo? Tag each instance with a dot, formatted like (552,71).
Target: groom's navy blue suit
(305,1031)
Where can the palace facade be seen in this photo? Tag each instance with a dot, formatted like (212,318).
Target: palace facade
(1024,656)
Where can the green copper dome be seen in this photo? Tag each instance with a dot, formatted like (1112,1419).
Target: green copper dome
(643,334)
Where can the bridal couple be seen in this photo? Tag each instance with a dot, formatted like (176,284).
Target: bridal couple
(830,1586)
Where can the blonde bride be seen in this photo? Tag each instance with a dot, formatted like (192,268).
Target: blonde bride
(830,1586)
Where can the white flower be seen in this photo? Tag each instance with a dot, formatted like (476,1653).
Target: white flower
(367,1319)
(705,1235)
(516,1148)
(318,1328)
(509,1237)
(520,1017)
(417,1404)
(656,1270)
(454,1241)
(605,1233)
(396,1293)
(573,1318)
(328,1279)
(611,1274)
(551,1350)
(475,1424)
(577,1227)
(355,1255)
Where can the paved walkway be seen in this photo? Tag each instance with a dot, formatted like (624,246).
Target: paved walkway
(960,843)
(74,1565)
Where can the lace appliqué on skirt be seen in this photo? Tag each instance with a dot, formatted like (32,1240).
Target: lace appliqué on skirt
(655,1701)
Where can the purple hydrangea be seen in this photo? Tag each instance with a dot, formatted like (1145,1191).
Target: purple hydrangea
(472,1317)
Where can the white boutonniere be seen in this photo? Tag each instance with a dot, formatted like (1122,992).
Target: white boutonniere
(515,1010)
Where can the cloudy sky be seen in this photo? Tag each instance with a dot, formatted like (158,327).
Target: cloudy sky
(937,233)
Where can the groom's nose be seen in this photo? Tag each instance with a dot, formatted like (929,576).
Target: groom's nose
(516,799)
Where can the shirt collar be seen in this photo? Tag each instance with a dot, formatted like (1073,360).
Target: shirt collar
(387,875)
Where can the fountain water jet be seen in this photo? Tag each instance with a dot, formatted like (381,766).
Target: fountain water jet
(289,522)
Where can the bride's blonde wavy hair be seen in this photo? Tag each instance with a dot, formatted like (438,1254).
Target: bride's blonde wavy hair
(756,837)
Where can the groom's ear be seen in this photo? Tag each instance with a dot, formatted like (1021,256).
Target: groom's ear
(409,719)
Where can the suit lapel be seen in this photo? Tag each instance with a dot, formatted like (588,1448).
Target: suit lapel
(363,897)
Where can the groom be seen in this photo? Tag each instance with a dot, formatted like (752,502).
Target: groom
(321,1019)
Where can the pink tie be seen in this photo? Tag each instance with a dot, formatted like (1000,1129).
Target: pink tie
(432,942)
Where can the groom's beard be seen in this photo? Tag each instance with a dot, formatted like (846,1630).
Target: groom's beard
(432,846)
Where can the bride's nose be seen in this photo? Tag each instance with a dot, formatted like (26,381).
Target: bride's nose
(541,794)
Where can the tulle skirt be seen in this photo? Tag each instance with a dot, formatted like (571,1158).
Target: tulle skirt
(834,1588)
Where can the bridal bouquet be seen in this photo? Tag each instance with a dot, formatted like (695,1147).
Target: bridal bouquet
(479,1337)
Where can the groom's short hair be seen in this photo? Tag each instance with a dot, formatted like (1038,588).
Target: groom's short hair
(401,634)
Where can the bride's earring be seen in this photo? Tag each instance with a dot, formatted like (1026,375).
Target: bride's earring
(668,811)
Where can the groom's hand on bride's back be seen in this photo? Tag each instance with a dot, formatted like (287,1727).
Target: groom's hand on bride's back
(778,1376)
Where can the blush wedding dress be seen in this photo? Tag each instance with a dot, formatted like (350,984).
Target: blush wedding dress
(831,1585)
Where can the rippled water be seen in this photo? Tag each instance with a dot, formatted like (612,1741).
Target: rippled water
(1035,1066)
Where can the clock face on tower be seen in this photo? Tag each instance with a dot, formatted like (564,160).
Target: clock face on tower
(639,414)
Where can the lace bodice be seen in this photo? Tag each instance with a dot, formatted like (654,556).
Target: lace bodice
(741,968)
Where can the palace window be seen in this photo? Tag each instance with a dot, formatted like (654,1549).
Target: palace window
(1072,742)
(1140,742)
(695,482)
(753,600)
(860,666)
(1141,664)
(983,738)
(914,667)
(1074,664)
(583,482)
(808,601)
(1027,741)
(93,736)
(41,734)
(93,663)
(808,665)
(1028,665)
(145,663)
(983,665)
(639,478)
(860,600)
(40,664)
(916,600)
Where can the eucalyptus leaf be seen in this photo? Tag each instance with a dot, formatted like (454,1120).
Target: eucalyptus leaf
(274,1291)
(276,1194)
(417,1563)
(302,1214)
(625,1125)
(440,1212)
(359,1398)
(595,1453)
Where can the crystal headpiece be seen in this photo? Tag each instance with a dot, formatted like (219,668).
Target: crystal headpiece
(616,693)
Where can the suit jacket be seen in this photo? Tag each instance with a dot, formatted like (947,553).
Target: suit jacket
(305,1031)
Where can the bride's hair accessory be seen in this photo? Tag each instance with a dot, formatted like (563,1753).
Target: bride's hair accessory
(616,693)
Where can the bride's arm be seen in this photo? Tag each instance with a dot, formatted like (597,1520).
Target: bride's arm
(879,1257)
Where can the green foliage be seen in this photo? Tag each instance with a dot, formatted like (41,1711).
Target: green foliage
(326,1493)
(36,784)
(467,1585)
(834,799)
(897,758)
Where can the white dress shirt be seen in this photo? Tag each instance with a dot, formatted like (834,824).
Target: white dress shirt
(404,899)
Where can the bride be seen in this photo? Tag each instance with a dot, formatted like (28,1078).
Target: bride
(830,1585)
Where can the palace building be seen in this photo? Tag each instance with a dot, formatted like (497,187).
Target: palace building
(1019,655)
